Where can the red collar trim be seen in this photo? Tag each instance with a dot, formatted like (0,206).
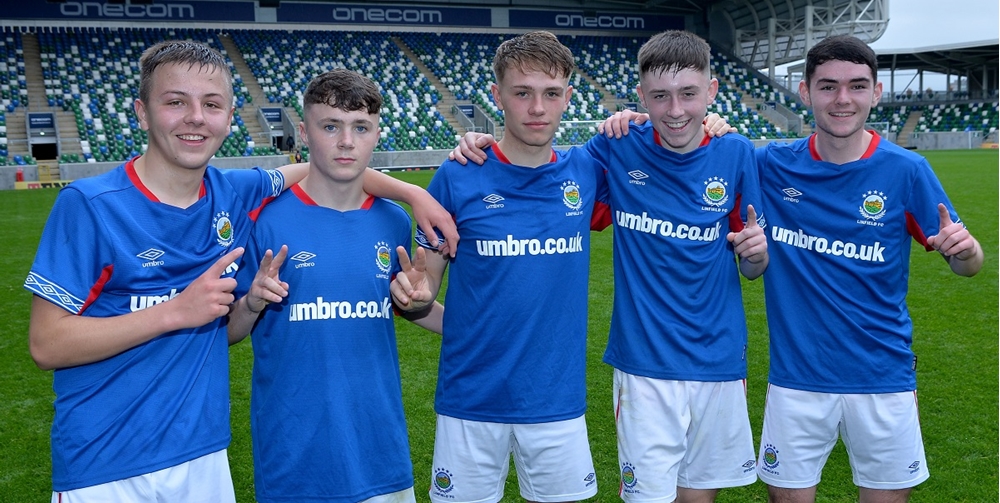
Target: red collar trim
(308,201)
(132,175)
(503,158)
(659,140)
(301,194)
(872,146)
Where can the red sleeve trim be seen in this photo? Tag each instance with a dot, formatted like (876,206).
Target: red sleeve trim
(98,287)
(736,223)
(913,229)
(601,218)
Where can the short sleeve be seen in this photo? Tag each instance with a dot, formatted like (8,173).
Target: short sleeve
(74,259)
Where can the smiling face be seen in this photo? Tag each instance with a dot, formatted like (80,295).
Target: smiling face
(340,142)
(841,95)
(187,115)
(533,103)
(677,101)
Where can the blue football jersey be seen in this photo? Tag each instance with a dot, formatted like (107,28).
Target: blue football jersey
(840,253)
(326,410)
(109,248)
(515,323)
(678,308)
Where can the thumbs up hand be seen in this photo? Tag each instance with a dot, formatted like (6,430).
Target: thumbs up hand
(750,243)
(952,239)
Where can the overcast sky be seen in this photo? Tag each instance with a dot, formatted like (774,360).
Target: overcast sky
(920,23)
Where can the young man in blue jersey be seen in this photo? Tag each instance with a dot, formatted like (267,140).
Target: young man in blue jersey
(134,323)
(679,387)
(326,398)
(843,205)
(513,352)
(836,287)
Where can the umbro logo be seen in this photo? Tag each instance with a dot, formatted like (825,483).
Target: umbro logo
(791,194)
(303,258)
(493,201)
(150,256)
(637,177)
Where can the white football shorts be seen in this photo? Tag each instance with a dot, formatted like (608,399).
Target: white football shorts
(881,432)
(689,434)
(471,460)
(201,480)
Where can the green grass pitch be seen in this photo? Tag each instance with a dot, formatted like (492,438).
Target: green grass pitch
(955,337)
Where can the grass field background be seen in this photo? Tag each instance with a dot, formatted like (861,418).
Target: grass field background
(955,337)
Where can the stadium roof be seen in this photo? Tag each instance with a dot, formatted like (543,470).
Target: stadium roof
(762,32)
(951,58)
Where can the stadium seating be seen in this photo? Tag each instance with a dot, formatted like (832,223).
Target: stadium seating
(894,116)
(3,138)
(611,61)
(13,83)
(284,62)
(960,117)
(463,63)
(94,73)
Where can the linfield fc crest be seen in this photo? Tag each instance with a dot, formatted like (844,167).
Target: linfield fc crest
(571,195)
(383,258)
(442,480)
(716,191)
(873,205)
(628,475)
(223,228)
(770,456)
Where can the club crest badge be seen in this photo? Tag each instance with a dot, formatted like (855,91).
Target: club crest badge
(716,191)
(383,257)
(223,229)
(571,195)
(442,481)
(873,205)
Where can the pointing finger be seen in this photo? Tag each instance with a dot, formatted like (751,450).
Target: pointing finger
(220,266)
(280,257)
(945,216)
(751,216)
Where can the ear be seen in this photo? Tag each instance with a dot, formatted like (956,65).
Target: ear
(642,98)
(140,113)
(804,93)
(878,94)
(713,89)
(495,90)
(569,94)
(302,133)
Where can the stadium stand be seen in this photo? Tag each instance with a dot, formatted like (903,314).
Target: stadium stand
(960,117)
(91,74)
(463,62)
(284,62)
(894,116)
(13,83)
(94,73)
